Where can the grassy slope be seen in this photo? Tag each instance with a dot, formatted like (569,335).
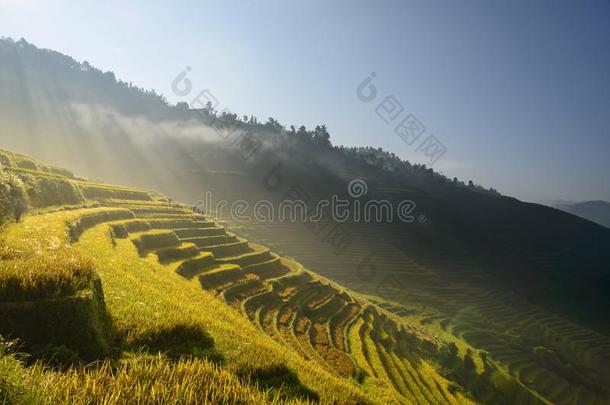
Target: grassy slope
(146,300)
(154,311)
(174,341)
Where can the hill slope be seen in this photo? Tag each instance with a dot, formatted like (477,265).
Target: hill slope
(63,253)
(167,294)
(139,257)
(522,286)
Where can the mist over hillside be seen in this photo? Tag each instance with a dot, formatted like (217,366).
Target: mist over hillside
(50,95)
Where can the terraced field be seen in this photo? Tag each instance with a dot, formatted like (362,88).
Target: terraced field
(365,338)
(455,300)
(424,330)
(343,333)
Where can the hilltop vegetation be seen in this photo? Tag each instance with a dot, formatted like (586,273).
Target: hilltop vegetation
(23,61)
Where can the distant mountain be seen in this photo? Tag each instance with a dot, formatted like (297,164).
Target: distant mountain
(595,211)
(555,202)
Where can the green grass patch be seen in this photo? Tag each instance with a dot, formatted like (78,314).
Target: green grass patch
(18,385)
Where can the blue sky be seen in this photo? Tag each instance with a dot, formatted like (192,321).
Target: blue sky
(517,91)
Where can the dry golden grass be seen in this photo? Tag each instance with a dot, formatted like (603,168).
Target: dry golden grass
(59,275)
(153,380)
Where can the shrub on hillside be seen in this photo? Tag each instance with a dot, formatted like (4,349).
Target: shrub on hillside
(26,163)
(13,197)
(60,171)
(5,159)
(44,191)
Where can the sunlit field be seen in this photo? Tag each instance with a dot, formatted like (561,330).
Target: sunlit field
(304,203)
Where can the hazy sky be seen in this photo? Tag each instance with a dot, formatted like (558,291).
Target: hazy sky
(517,91)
